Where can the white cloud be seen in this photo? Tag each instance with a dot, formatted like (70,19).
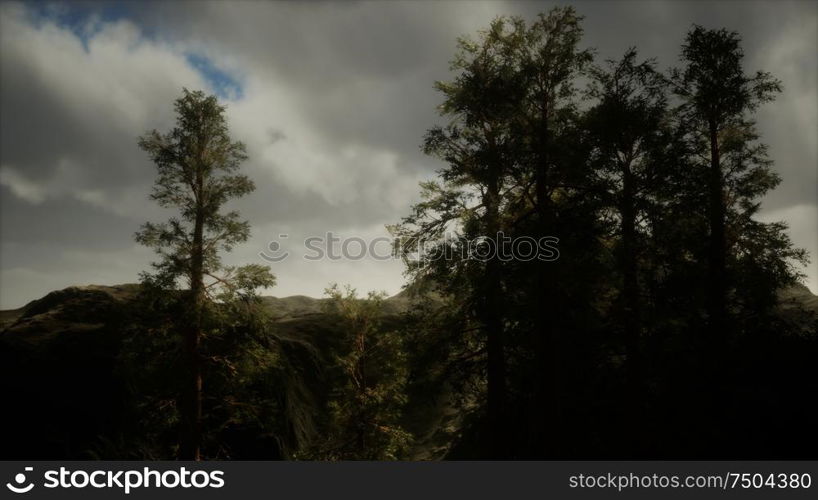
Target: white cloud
(20,186)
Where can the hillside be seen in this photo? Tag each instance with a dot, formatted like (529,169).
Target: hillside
(58,357)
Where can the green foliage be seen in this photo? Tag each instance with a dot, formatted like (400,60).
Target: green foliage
(197,165)
(260,400)
(366,408)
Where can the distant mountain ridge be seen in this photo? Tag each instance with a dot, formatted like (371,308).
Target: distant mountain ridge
(281,307)
(797,298)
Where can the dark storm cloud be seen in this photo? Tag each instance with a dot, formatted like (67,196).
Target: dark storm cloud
(332,100)
(365,71)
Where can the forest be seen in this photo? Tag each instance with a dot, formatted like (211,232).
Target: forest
(586,279)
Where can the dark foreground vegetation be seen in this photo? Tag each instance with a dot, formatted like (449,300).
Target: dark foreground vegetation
(87,382)
(661,320)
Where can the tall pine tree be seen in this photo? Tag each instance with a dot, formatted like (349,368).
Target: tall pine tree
(197,164)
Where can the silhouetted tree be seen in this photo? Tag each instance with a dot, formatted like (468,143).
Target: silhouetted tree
(628,130)
(717,98)
(621,185)
(551,62)
(478,148)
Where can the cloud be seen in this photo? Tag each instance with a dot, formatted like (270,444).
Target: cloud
(74,102)
(790,125)
(21,187)
(72,108)
(331,99)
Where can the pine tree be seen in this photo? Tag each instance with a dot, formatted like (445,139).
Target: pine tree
(718,98)
(552,60)
(629,131)
(478,148)
(197,164)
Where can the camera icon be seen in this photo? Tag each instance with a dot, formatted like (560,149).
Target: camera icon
(20,478)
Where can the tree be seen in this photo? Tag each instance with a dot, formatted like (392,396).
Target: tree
(551,62)
(734,266)
(512,151)
(365,411)
(197,164)
(621,186)
(629,133)
(717,98)
(478,148)
(631,141)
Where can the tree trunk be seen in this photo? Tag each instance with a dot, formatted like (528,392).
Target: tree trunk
(717,246)
(191,409)
(630,285)
(712,347)
(634,373)
(363,423)
(547,413)
(493,323)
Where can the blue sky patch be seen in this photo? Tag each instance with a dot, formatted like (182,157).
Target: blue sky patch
(83,20)
(220,81)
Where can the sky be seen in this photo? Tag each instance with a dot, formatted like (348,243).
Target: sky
(332,100)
